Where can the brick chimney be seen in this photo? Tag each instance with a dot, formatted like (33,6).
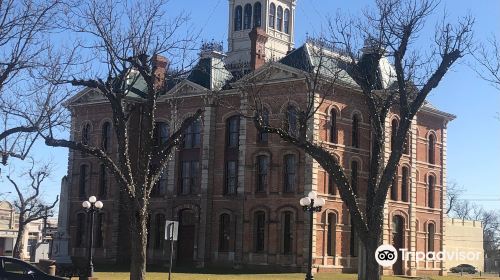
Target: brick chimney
(160,65)
(258,39)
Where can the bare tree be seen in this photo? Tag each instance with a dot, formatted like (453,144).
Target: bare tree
(488,58)
(24,28)
(127,70)
(390,32)
(453,194)
(29,205)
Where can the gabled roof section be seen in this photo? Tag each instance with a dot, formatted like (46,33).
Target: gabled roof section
(269,73)
(86,95)
(185,87)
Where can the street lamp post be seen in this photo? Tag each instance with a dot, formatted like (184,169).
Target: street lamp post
(91,206)
(311,204)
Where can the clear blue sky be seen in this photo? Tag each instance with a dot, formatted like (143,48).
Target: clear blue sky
(473,138)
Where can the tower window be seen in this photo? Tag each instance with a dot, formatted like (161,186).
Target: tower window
(247,19)
(354,177)
(238,18)
(430,189)
(394,130)
(106,136)
(80,230)
(262,171)
(272,15)
(291,119)
(332,234)
(432,144)
(333,126)
(355,131)
(404,185)
(287,232)
(103,182)
(286,25)
(394,187)
(279,21)
(84,177)
(290,173)
(430,237)
(257,15)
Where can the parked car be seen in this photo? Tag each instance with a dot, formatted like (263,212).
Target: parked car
(15,269)
(467,268)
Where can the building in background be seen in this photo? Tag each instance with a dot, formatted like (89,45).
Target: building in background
(235,191)
(465,236)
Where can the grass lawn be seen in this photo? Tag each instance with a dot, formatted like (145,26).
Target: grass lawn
(281,276)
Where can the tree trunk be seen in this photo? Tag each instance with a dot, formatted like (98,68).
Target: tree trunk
(18,251)
(139,242)
(372,267)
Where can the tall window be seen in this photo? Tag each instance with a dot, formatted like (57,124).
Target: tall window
(260,231)
(257,15)
(290,166)
(262,172)
(355,131)
(291,120)
(394,187)
(404,184)
(192,137)
(160,187)
(264,136)
(224,232)
(106,136)
(80,230)
(160,230)
(394,130)
(431,230)
(332,187)
(332,234)
(286,24)
(189,176)
(279,21)
(103,182)
(287,232)
(83,180)
(272,15)
(233,131)
(333,126)
(354,177)
(99,231)
(353,248)
(406,146)
(231,177)
(160,133)
(238,17)
(86,134)
(432,144)
(431,186)
(247,18)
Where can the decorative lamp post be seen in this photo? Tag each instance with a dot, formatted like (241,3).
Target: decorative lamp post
(311,203)
(91,206)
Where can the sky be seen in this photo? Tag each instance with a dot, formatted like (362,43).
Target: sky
(473,137)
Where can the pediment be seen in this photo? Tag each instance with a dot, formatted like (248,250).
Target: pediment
(272,72)
(85,96)
(186,87)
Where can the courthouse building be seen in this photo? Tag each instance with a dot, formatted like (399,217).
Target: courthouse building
(236,191)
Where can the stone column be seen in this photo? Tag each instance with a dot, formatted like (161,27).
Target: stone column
(444,140)
(413,194)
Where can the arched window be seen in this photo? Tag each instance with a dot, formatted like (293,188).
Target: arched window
(86,134)
(354,176)
(259,231)
(161,133)
(160,230)
(272,15)
(333,126)
(287,232)
(291,120)
(80,230)
(286,24)
(224,232)
(290,168)
(394,131)
(332,187)
(83,181)
(192,137)
(99,231)
(106,136)
(103,182)
(394,187)
(404,184)
(279,21)
(233,132)
(431,152)
(355,131)
(238,17)
(257,15)
(264,136)
(430,188)
(262,172)
(332,234)
(231,177)
(431,230)
(247,18)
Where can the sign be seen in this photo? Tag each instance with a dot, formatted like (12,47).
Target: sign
(171,230)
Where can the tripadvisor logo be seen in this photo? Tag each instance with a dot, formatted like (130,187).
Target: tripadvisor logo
(387,255)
